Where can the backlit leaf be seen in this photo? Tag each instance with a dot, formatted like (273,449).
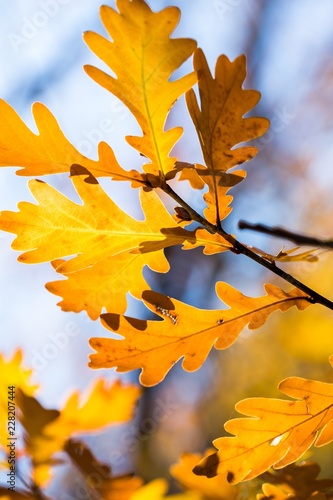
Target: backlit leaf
(221,125)
(216,488)
(278,432)
(49,152)
(143,57)
(95,232)
(185,332)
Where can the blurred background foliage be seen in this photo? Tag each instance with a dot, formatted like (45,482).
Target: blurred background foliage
(288,46)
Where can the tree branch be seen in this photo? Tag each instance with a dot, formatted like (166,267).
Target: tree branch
(280,232)
(239,248)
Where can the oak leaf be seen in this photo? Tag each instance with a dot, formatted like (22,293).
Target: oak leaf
(95,232)
(216,488)
(105,284)
(143,57)
(185,332)
(48,430)
(49,152)
(221,125)
(277,433)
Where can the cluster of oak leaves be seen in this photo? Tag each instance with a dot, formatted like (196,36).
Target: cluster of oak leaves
(111,249)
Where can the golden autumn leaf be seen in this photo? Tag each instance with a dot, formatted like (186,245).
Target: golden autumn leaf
(48,430)
(221,125)
(13,374)
(49,152)
(106,283)
(185,332)
(143,57)
(278,432)
(216,488)
(95,232)
(296,481)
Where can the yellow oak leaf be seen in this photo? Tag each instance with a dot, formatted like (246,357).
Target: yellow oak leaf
(278,432)
(105,284)
(185,332)
(212,243)
(143,57)
(49,152)
(95,232)
(48,430)
(221,125)
(13,376)
(216,488)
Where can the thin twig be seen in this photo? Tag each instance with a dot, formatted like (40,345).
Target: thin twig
(280,232)
(239,248)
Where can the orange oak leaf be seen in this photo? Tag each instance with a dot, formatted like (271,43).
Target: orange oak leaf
(95,232)
(48,430)
(278,432)
(49,152)
(221,125)
(106,283)
(212,243)
(143,57)
(185,332)
(216,488)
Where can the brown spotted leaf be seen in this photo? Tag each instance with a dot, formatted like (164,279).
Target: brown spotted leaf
(185,332)
(221,126)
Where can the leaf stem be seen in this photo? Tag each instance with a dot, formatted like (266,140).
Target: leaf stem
(239,248)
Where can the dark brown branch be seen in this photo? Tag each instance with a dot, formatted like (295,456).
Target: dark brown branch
(280,232)
(239,248)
